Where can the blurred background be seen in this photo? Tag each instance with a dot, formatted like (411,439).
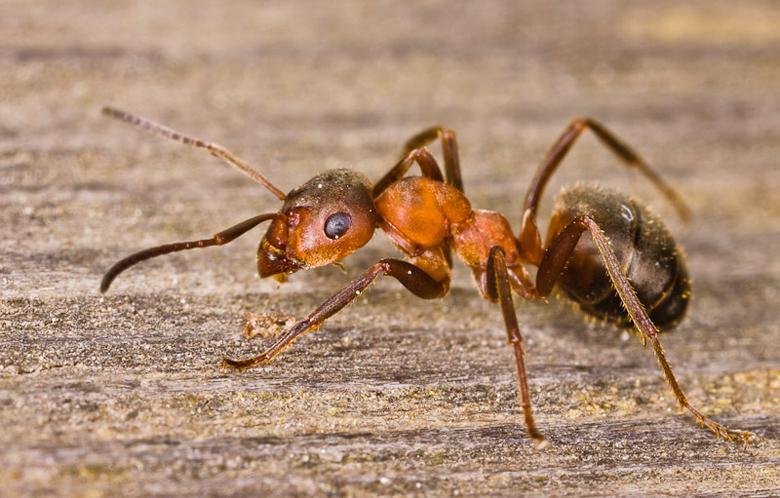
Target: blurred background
(413,396)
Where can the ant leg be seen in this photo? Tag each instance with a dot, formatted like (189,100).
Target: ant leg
(521,282)
(213,149)
(427,163)
(529,233)
(552,265)
(222,238)
(449,149)
(625,153)
(413,278)
(498,285)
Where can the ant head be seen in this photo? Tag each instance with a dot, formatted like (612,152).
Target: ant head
(322,221)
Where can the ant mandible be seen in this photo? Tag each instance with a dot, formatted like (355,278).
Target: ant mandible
(629,272)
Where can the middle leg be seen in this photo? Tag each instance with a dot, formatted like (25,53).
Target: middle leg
(499,288)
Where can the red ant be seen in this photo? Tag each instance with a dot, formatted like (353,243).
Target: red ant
(629,272)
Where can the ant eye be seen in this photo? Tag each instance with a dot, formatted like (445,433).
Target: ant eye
(337,225)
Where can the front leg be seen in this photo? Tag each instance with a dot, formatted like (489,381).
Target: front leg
(427,163)
(449,149)
(417,281)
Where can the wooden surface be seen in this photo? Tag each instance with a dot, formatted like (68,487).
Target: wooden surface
(123,394)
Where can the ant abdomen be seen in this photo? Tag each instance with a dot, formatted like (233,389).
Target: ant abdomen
(645,248)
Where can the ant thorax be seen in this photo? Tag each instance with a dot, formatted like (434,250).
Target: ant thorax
(419,213)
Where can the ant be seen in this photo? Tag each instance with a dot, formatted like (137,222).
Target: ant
(629,271)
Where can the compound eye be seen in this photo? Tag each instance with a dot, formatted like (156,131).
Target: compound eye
(337,225)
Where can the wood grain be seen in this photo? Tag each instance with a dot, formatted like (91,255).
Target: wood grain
(123,394)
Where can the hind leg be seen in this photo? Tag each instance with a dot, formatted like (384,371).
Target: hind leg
(552,266)
(529,233)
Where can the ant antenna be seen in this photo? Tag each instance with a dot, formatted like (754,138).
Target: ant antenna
(213,149)
(222,238)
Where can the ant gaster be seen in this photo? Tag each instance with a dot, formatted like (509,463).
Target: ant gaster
(628,271)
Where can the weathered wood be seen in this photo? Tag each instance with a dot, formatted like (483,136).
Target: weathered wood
(124,395)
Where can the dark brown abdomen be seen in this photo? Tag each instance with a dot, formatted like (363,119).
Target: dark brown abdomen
(648,255)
